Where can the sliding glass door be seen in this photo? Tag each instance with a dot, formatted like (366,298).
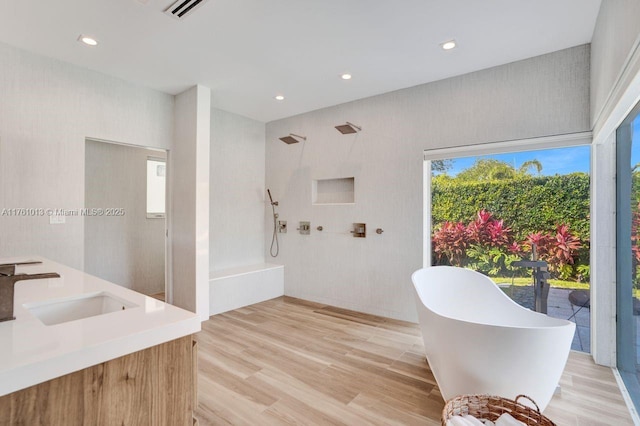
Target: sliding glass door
(628,252)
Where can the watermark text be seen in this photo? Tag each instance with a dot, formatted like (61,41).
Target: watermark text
(41,211)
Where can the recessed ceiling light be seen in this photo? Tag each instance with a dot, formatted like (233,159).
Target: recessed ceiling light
(89,41)
(448,45)
(279,98)
(346,76)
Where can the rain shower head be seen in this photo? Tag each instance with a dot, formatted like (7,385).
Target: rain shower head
(345,129)
(291,138)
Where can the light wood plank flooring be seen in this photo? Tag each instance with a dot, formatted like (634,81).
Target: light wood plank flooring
(159,296)
(288,361)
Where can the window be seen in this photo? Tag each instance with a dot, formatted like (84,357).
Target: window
(489,205)
(156,188)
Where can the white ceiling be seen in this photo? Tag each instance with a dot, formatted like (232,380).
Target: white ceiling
(247,51)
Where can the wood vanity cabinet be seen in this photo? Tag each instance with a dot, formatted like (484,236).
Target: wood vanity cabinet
(154,386)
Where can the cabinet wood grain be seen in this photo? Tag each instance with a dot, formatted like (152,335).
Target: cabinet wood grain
(150,387)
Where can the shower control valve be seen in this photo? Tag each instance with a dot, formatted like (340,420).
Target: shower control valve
(359,230)
(305,228)
(282,226)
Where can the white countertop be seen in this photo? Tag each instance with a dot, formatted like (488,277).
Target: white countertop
(32,353)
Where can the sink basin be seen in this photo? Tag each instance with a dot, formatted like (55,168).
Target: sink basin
(71,309)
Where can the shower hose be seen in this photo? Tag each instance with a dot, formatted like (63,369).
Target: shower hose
(275,246)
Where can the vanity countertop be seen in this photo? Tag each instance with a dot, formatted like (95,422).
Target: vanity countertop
(32,352)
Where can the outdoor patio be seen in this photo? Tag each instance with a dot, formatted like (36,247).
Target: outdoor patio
(558,306)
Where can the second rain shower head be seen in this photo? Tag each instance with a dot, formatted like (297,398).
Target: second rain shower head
(345,129)
(292,138)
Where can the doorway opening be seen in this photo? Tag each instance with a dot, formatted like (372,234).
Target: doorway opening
(125,230)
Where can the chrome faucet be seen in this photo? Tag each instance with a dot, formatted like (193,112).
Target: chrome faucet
(8,279)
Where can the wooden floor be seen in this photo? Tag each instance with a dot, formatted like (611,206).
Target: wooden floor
(159,296)
(287,361)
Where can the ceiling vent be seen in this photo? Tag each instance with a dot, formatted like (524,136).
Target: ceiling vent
(182,8)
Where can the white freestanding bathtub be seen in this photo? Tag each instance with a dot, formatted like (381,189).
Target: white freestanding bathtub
(478,341)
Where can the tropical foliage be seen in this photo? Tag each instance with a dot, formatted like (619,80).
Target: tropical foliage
(487,245)
(492,213)
(491,169)
(527,204)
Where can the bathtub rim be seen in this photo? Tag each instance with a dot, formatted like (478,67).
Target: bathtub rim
(551,321)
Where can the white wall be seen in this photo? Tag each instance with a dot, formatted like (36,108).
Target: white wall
(546,95)
(237,190)
(47,109)
(615,39)
(128,250)
(189,193)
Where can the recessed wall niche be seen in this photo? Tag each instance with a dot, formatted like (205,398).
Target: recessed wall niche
(333,191)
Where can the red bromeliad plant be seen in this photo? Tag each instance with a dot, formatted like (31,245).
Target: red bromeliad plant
(489,243)
(450,242)
(485,244)
(515,248)
(541,241)
(558,250)
(488,231)
(565,246)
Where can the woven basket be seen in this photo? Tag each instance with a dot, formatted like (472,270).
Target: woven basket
(491,407)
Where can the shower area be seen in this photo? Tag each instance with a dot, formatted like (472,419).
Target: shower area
(240,216)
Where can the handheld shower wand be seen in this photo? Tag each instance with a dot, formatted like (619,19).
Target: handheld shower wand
(273,203)
(274,239)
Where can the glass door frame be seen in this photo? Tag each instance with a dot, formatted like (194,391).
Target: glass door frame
(626,354)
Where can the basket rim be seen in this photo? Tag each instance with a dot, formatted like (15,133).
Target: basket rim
(492,406)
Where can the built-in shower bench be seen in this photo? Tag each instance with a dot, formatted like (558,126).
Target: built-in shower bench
(235,288)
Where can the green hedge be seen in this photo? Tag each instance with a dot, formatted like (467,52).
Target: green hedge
(526,204)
